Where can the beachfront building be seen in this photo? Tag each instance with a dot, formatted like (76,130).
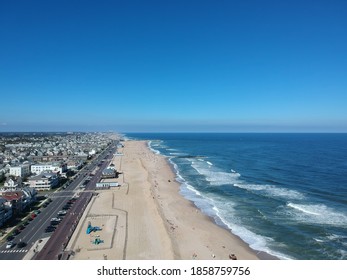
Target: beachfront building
(22,170)
(109,173)
(56,167)
(106,185)
(44,181)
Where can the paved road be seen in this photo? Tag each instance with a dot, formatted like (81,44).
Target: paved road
(60,238)
(35,230)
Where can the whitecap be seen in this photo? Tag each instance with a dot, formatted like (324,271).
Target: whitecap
(317,214)
(318,240)
(213,176)
(177,154)
(271,191)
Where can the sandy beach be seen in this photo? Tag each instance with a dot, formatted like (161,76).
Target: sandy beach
(146,217)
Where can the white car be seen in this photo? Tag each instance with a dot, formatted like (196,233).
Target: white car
(9,245)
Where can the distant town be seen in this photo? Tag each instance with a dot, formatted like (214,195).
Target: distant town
(32,164)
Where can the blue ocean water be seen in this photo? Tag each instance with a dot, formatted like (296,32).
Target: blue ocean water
(285,194)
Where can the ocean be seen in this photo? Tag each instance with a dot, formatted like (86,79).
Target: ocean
(284,194)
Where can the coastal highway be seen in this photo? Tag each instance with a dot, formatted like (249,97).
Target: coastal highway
(55,246)
(35,230)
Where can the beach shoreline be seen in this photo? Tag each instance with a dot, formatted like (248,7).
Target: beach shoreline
(146,217)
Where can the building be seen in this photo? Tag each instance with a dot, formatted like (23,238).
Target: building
(52,167)
(44,181)
(15,200)
(109,173)
(106,185)
(20,170)
(74,165)
(11,185)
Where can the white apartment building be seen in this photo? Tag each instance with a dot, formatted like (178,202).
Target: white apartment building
(20,170)
(53,167)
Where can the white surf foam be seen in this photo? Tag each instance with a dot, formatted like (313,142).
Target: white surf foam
(213,175)
(255,241)
(177,154)
(271,191)
(318,240)
(151,145)
(317,214)
(222,211)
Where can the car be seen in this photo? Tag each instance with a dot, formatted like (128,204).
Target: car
(21,227)
(62,213)
(50,229)
(9,245)
(53,223)
(21,244)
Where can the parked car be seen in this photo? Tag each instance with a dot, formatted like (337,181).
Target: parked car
(62,213)
(50,229)
(53,223)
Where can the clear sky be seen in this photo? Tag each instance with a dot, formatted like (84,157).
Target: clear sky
(233,66)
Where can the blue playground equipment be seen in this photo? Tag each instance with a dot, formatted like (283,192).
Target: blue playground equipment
(90,228)
(97,241)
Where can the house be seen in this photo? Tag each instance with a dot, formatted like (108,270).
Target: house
(15,200)
(11,184)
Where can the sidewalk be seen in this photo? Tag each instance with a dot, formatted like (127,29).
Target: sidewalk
(37,247)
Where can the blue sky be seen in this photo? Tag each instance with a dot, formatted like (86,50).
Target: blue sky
(250,66)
